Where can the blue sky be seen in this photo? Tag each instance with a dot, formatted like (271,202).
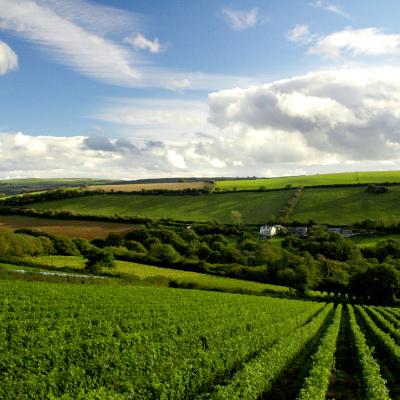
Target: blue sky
(144,89)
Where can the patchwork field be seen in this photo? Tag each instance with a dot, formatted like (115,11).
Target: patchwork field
(256,208)
(312,180)
(72,229)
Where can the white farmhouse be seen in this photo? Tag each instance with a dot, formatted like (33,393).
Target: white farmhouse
(267,231)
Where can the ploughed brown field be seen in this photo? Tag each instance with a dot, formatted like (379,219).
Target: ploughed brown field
(151,186)
(72,229)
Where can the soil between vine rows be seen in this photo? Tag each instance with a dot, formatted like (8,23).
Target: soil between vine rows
(345,383)
(287,387)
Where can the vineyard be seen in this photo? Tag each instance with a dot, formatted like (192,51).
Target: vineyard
(62,341)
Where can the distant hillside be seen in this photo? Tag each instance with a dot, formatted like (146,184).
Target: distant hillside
(346,178)
(255,207)
(16,186)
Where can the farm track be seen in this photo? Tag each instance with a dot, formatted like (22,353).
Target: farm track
(288,386)
(344,383)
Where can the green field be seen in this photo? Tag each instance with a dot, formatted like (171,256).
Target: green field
(256,208)
(61,341)
(15,186)
(204,281)
(368,242)
(343,206)
(312,180)
(103,342)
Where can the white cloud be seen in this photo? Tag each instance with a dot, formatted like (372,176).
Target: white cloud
(217,163)
(331,7)
(176,159)
(356,42)
(92,40)
(8,58)
(140,42)
(240,20)
(177,120)
(320,117)
(86,52)
(300,34)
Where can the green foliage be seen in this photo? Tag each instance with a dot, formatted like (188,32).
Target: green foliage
(316,385)
(260,373)
(72,342)
(137,247)
(97,259)
(378,284)
(374,385)
(82,245)
(376,189)
(114,239)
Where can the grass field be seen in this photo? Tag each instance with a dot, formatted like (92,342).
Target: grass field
(312,180)
(137,187)
(72,229)
(368,242)
(148,271)
(256,208)
(346,205)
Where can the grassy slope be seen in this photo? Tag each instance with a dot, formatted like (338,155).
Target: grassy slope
(146,271)
(312,180)
(256,208)
(346,205)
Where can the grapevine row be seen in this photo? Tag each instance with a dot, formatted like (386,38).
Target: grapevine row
(383,323)
(316,385)
(374,385)
(383,341)
(132,341)
(259,374)
(389,316)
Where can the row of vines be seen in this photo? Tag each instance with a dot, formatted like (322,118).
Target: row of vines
(60,341)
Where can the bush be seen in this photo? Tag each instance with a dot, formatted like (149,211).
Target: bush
(376,189)
(97,259)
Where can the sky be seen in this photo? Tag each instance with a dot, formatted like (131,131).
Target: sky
(198,88)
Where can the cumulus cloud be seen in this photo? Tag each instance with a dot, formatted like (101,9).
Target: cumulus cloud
(300,34)
(8,58)
(240,20)
(321,117)
(176,159)
(356,42)
(140,42)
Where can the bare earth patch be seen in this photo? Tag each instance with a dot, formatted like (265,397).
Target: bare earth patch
(72,229)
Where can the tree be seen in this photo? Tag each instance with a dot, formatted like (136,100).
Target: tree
(164,252)
(114,239)
(97,259)
(380,284)
(236,216)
